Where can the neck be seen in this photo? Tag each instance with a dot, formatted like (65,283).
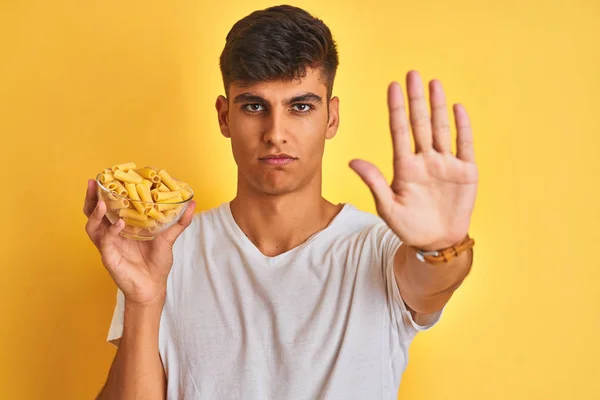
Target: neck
(278,223)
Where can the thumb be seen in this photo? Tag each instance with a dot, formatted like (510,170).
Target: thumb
(171,234)
(374,179)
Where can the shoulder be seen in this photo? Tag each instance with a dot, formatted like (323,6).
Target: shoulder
(351,217)
(371,227)
(351,220)
(211,214)
(211,220)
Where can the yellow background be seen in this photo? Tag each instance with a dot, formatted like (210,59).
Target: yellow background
(86,84)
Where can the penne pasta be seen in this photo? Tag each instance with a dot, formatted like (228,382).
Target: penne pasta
(123,167)
(174,199)
(157,215)
(133,214)
(186,194)
(162,196)
(120,189)
(181,183)
(113,195)
(166,206)
(133,195)
(141,224)
(126,177)
(167,180)
(147,198)
(118,204)
(162,187)
(171,214)
(135,174)
(147,173)
(105,178)
(143,191)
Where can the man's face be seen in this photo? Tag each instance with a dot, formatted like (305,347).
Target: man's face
(278,131)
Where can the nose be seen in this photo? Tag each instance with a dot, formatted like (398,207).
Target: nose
(274,130)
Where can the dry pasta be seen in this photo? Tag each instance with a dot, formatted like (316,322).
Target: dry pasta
(142,224)
(143,191)
(146,198)
(118,204)
(185,193)
(121,191)
(123,167)
(167,180)
(127,177)
(163,196)
(161,187)
(105,178)
(133,214)
(134,174)
(148,173)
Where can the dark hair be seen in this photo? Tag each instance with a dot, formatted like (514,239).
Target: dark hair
(278,43)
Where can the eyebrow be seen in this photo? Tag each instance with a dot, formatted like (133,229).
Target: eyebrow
(303,98)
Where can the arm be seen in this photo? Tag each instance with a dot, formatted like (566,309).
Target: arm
(137,371)
(140,271)
(432,195)
(427,288)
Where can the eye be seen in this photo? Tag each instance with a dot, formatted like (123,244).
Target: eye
(253,108)
(302,108)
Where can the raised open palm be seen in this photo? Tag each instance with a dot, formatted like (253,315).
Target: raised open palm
(430,200)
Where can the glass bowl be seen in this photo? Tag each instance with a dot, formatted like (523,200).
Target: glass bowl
(144,220)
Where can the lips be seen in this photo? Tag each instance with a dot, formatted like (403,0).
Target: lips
(278,159)
(277,156)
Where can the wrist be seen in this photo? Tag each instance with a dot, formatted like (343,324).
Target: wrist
(154,303)
(440,245)
(142,317)
(443,254)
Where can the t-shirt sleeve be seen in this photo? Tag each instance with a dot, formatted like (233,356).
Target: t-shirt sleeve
(115,331)
(389,243)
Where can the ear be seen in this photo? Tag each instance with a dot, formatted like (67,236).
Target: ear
(334,117)
(222,107)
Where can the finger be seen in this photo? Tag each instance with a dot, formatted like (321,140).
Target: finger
(91,198)
(96,222)
(171,234)
(374,179)
(464,139)
(107,241)
(95,218)
(419,114)
(439,117)
(398,122)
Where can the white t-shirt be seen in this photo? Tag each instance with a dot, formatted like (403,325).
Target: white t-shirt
(324,320)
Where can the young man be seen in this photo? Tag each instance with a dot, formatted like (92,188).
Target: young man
(280,294)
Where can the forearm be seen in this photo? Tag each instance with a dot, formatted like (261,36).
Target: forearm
(425,287)
(137,371)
